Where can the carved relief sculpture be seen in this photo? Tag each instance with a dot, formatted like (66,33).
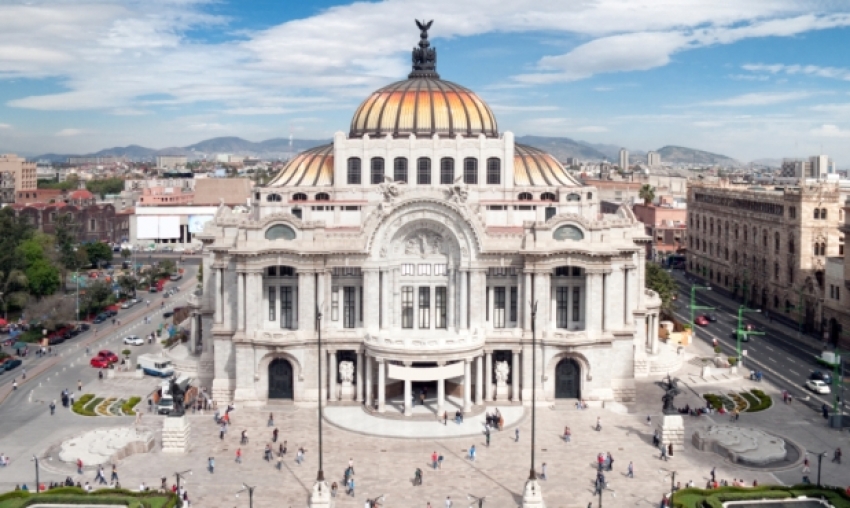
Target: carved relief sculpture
(502,371)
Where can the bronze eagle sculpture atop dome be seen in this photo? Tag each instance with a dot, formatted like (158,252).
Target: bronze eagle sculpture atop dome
(424,57)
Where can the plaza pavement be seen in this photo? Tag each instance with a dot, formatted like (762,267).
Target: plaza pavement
(386,465)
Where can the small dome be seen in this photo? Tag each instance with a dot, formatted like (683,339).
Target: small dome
(423,106)
(81,194)
(534,167)
(311,168)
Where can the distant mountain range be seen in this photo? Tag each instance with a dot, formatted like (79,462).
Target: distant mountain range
(278,148)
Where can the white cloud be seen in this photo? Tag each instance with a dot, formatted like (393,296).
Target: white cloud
(807,70)
(66,133)
(5,126)
(830,131)
(759,99)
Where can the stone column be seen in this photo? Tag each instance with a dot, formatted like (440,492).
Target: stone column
(194,333)
(219,295)
(488,375)
(253,293)
(451,301)
(544,300)
(463,282)
(441,393)
(526,297)
(408,395)
(359,370)
(477,287)
(593,303)
(617,291)
(654,333)
(396,303)
(306,301)
(607,301)
(369,365)
(467,385)
(333,372)
(382,386)
(479,381)
(386,307)
(370,294)
(240,301)
(515,394)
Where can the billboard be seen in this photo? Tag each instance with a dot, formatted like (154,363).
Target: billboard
(197,222)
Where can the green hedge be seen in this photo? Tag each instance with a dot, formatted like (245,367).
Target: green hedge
(127,407)
(714,498)
(714,400)
(764,400)
(74,495)
(79,406)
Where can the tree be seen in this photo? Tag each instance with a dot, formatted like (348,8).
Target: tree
(13,231)
(95,298)
(52,312)
(647,194)
(98,252)
(126,253)
(13,290)
(128,283)
(660,281)
(42,278)
(105,186)
(166,268)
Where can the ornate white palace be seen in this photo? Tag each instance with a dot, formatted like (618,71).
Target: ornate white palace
(423,238)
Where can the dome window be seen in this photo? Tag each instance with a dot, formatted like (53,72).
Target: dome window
(354,171)
(573,197)
(280,232)
(494,171)
(548,196)
(322,196)
(470,171)
(447,171)
(423,171)
(377,170)
(299,196)
(273,198)
(568,232)
(525,196)
(400,169)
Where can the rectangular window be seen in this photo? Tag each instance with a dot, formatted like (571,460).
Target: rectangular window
(499,307)
(400,169)
(562,302)
(576,304)
(440,269)
(407,269)
(334,304)
(423,171)
(494,171)
(354,171)
(440,306)
(407,307)
(551,211)
(447,171)
(360,307)
(470,171)
(286,320)
(272,304)
(514,303)
(424,307)
(425,269)
(349,302)
(377,170)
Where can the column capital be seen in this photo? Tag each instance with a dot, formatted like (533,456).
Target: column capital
(441,363)
(371,269)
(379,359)
(629,267)
(407,363)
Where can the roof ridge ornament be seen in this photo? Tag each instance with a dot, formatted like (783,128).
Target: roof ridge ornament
(424,57)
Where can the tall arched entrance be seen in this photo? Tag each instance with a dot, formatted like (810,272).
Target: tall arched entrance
(568,379)
(280,379)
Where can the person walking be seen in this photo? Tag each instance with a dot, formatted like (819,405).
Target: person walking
(211,464)
(543,472)
(114,476)
(471,456)
(434,459)
(516,435)
(239,455)
(14,384)
(567,434)
(351,486)
(487,437)
(52,407)
(417,477)
(836,457)
(79,466)
(714,471)
(610,461)
(448,502)
(271,420)
(274,436)
(221,431)
(351,464)
(663,453)
(279,463)
(79,385)
(806,468)
(598,423)
(631,471)
(299,457)
(243,439)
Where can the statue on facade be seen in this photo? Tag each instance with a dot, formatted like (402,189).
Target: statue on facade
(424,58)
(457,192)
(502,371)
(178,396)
(671,389)
(346,372)
(390,190)
(423,243)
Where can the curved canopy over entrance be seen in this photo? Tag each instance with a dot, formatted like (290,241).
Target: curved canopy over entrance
(280,379)
(568,379)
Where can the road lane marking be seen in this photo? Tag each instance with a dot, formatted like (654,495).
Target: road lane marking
(793,372)
(771,359)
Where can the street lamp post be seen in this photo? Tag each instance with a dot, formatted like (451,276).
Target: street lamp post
(320,476)
(820,460)
(694,306)
(180,476)
(532,496)
(37,480)
(250,490)
(739,332)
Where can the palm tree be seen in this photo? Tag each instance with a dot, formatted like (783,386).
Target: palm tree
(647,194)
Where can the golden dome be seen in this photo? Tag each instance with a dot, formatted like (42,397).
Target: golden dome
(534,167)
(423,106)
(311,168)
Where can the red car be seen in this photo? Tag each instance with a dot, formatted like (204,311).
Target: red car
(701,320)
(107,355)
(99,362)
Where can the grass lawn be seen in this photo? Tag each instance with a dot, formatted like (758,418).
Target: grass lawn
(71,495)
(700,498)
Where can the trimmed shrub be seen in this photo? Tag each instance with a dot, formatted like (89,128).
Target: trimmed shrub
(764,400)
(80,404)
(732,360)
(127,407)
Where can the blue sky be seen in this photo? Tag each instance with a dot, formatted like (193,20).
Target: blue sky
(745,78)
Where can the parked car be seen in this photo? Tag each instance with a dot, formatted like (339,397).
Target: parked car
(100,318)
(134,340)
(110,312)
(179,248)
(821,376)
(108,355)
(129,303)
(11,363)
(168,314)
(701,320)
(711,317)
(100,363)
(817,386)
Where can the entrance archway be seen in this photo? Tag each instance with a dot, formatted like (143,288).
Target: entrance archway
(568,379)
(280,379)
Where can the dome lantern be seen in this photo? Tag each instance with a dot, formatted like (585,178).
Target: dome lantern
(424,57)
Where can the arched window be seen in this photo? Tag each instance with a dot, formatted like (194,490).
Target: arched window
(299,196)
(573,197)
(525,196)
(726,254)
(726,229)
(273,198)
(447,171)
(745,234)
(322,196)
(791,245)
(494,171)
(354,171)
(764,238)
(377,170)
(400,169)
(470,171)
(280,232)
(423,171)
(755,235)
(817,213)
(776,242)
(792,212)
(823,213)
(776,271)
(548,196)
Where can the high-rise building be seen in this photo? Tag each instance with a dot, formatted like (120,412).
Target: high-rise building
(817,167)
(16,174)
(653,158)
(624,159)
(171,161)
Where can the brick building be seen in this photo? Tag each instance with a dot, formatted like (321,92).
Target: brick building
(93,222)
(767,245)
(666,225)
(836,303)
